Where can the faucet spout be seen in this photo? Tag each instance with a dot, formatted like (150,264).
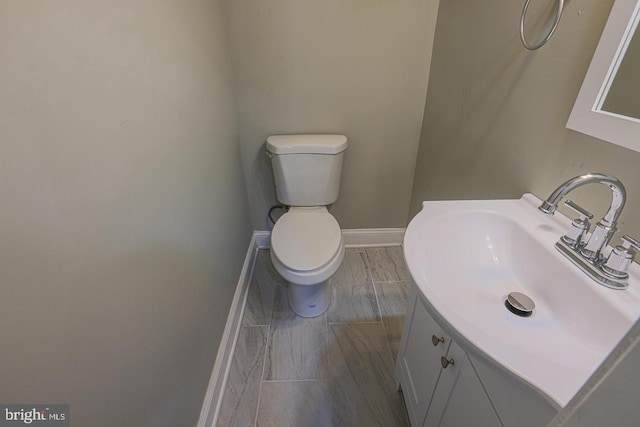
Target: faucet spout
(619,195)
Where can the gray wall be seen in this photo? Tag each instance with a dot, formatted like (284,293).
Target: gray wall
(123,217)
(494,122)
(336,66)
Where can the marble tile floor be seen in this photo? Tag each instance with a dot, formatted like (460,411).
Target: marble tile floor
(329,371)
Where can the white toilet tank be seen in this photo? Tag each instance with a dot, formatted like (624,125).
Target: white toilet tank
(307,168)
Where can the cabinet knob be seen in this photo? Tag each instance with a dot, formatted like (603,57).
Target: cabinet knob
(436,340)
(446,362)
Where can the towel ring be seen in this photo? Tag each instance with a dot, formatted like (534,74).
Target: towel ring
(553,28)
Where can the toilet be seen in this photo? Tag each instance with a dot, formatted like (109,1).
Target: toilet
(306,242)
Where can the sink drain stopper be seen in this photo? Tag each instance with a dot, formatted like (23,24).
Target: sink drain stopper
(520,304)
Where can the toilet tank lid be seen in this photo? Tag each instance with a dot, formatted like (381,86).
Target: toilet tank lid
(306,144)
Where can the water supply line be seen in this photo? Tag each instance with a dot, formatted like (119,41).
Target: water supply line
(548,36)
(273,208)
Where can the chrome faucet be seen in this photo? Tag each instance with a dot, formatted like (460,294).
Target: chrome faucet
(588,255)
(607,225)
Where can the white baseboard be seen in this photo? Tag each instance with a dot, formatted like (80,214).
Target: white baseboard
(353,238)
(213,396)
(262,240)
(366,237)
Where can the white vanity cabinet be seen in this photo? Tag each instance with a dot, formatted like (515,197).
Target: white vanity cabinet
(445,385)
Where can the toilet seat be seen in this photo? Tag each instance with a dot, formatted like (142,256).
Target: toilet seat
(306,239)
(307,245)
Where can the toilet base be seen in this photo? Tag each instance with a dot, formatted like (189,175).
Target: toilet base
(309,300)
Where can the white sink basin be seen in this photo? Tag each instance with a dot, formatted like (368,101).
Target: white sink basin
(467,256)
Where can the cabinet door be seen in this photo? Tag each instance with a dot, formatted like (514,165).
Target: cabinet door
(460,399)
(516,401)
(419,359)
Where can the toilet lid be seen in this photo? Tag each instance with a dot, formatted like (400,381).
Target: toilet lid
(306,239)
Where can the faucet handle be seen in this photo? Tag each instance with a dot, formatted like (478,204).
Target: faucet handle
(578,209)
(628,242)
(574,235)
(621,257)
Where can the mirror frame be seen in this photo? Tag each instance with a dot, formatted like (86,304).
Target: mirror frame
(587,116)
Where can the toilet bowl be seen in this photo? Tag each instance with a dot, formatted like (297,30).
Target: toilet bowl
(306,250)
